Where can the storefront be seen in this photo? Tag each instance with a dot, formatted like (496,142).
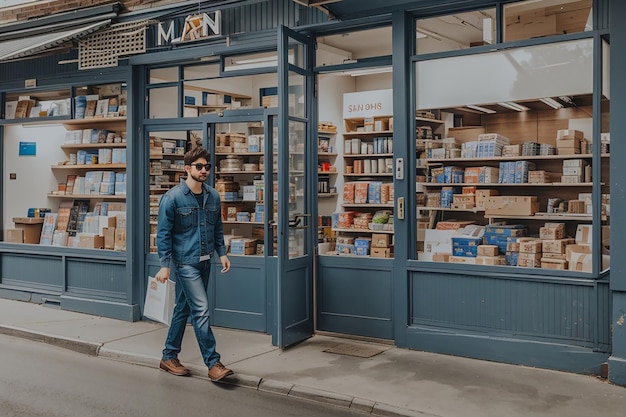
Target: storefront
(461,156)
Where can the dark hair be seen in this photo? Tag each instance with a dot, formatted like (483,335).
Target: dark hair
(196,153)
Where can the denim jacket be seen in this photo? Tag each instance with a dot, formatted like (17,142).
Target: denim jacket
(187,231)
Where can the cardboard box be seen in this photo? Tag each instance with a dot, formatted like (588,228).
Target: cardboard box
(381,240)
(120,239)
(530,246)
(488,250)
(109,237)
(90,241)
(584,234)
(551,263)
(31,226)
(14,235)
(381,252)
(243,246)
(555,245)
(491,260)
(551,233)
(482,195)
(562,134)
(462,259)
(441,257)
(511,206)
(579,258)
(438,241)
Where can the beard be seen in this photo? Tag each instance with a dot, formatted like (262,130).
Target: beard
(199,177)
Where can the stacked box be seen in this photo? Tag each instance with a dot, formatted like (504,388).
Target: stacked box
(438,241)
(466,245)
(489,175)
(374,192)
(542,177)
(498,235)
(511,205)
(381,246)
(552,231)
(362,246)
(529,253)
(482,195)
(463,201)
(568,142)
(453,175)
(447,194)
(360,192)
(243,246)
(491,260)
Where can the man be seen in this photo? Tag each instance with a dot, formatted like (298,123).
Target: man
(189,234)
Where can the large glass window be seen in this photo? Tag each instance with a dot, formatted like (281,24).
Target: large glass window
(506,158)
(456,31)
(535,19)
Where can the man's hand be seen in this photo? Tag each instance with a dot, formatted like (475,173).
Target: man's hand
(163,274)
(225,263)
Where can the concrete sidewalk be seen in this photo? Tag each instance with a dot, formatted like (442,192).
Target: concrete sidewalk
(392,382)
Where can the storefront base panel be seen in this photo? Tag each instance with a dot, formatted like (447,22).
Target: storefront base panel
(111,309)
(554,323)
(354,296)
(507,349)
(32,272)
(239,297)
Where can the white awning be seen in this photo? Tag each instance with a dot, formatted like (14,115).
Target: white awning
(31,45)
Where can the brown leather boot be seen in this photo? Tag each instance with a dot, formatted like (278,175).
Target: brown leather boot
(219,371)
(174,367)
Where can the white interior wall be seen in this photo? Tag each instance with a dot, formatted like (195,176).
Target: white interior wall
(34,176)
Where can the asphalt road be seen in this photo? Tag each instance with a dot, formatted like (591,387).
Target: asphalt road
(39,380)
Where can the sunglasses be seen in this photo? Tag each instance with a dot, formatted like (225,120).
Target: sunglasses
(200,166)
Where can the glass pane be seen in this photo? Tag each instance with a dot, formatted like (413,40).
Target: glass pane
(198,72)
(240,181)
(163,102)
(516,74)
(347,47)
(218,94)
(297,98)
(456,31)
(163,75)
(297,183)
(538,18)
(167,168)
(251,61)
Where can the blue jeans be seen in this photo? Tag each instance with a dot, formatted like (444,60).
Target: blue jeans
(192,298)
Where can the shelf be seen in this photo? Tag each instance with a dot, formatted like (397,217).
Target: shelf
(236,222)
(497,184)
(428,120)
(326,132)
(367,205)
(206,106)
(324,154)
(92,145)
(513,158)
(327,172)
(472,210)
(327,195)
(162,155)
(93,166)
(546,216)
(238,172)
(240,153)
(368,155)
(369,175)
(379,133)
(72,124)
(85,196)
(363,231)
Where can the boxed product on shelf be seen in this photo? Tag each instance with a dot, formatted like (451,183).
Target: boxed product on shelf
(579,257)
(482,195)
(348,192)
(14,235)
(512,150)
(381,240)
(490,260)
(374,192)
(465,245)
(438,241)
(563,134)
(557,246)
(453,174)
(530,246)
(511,205)
(376,252)
(550,263)
(529,259)
(243,246)
(362,246)
(90,240)
(360,192)
(453,224)
(462,259)
(584,234)
(488,250)
(552,231)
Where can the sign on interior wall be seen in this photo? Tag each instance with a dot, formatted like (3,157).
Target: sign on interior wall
(28,148)
(368,104)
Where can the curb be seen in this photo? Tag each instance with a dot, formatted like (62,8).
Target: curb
(240,380)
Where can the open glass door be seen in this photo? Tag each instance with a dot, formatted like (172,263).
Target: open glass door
(295,172)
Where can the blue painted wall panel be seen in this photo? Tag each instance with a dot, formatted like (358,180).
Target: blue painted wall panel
(97,279)
(31,271)
(553,310)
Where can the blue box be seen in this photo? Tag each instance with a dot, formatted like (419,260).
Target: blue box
(505,230)
(362,251)
(373,192)
(466,246)
(344,249)
(362,243)
(511,258)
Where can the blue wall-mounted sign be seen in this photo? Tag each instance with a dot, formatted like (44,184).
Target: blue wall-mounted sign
(28,148)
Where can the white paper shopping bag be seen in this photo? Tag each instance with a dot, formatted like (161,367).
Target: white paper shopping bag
(160,300)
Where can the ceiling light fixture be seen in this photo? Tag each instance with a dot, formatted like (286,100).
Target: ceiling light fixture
(482,109)
(552,102)
(513,106)
(368,71)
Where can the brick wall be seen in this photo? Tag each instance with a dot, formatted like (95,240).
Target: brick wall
(46,8)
